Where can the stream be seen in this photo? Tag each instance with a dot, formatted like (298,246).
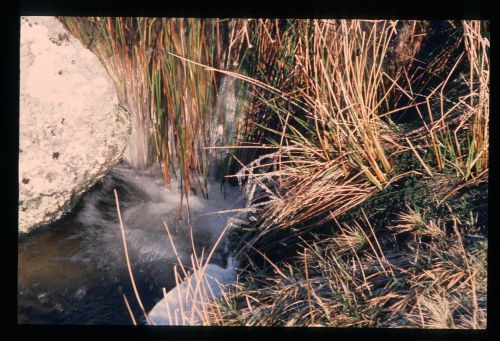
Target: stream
(74,271)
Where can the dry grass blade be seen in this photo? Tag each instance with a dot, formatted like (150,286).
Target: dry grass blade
(129,310)
(137,296)
(311,312)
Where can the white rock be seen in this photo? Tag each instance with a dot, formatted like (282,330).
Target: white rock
(68,109)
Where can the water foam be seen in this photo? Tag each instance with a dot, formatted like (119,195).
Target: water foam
(187,298)
(145,202)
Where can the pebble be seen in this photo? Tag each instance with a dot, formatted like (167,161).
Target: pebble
(43,298)
(80,293)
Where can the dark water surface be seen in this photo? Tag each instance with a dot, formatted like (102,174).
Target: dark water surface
(74,271)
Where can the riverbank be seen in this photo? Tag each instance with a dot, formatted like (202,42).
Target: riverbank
(357,152)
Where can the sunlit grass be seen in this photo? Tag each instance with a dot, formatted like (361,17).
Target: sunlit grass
(358,278)
(316,133)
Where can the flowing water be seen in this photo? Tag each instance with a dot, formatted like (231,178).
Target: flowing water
(74,271)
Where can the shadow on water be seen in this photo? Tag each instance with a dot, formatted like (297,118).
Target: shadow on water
(74,272)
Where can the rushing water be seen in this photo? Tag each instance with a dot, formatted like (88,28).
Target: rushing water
(74,271)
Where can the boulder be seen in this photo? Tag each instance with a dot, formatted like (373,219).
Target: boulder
(72,129)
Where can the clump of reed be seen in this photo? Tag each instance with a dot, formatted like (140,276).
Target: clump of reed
(117,43)
(331,141)
(333,131)
(172,102)
(336,142)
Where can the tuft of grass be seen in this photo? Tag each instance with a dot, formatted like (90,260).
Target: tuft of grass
(422,281)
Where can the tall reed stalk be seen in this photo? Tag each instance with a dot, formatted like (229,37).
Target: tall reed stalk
(455,123)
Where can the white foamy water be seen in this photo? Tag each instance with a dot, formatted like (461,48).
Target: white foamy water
(74,271)
(183,305)
(145,202)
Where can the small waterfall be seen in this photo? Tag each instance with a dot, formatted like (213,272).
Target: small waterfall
(231,103)
(144,203)
(138,152)
(224,113)
(74,271)
(134,96)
